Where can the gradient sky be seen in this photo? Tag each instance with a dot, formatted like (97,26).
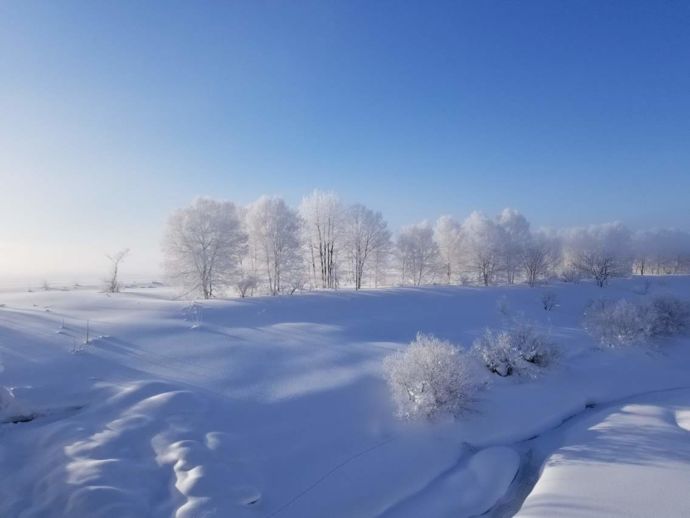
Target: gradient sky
(114,113)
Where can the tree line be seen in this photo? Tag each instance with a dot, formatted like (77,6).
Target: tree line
(268,247)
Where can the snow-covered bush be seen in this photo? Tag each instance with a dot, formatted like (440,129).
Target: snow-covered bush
(534,347)
(496,351)
(671,316)
(549,300)
(429,378)
(617,323)
(518,350)
(621,322)
(570,274)
(246,284)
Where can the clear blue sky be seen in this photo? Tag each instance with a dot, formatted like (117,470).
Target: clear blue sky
(114,113)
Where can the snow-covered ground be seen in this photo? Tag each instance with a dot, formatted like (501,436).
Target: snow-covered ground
(629,460)
(278,407)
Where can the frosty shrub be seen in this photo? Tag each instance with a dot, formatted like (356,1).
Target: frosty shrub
(534,347)
(430,377)
(621,322)
(617,323)
(246,284)
(570,274)
(671,316)
(549,300)
(519,350)
(495,350)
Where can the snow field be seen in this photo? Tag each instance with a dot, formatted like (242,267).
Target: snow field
(279,407)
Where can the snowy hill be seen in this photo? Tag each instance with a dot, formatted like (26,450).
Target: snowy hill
(137,404)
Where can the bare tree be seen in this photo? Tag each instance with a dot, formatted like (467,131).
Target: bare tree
(365,234)
(116,259)
(203,246)
(322,215)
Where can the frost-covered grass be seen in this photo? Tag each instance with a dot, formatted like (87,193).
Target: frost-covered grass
(279,406)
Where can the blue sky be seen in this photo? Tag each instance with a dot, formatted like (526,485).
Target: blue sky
(114,113)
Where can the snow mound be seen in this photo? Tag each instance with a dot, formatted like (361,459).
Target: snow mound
(151,433)
(207,476)
(683,419)
(632,460)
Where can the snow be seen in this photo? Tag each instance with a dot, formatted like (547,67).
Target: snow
(278,406)
(632,460)
(9,407)
(469,489)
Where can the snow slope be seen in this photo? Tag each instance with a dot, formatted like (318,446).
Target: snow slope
(277,406)
(632,460)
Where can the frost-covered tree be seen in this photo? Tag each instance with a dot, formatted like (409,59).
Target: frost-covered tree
(382,265)
(322,218)
(661,251)
(418,253)
(113,280)
(448,237)
(599,251)
(643,251)
(539,255)
(482,246)
(203,246)
(365,233)
(429,378)
(516,234)
(274,237)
